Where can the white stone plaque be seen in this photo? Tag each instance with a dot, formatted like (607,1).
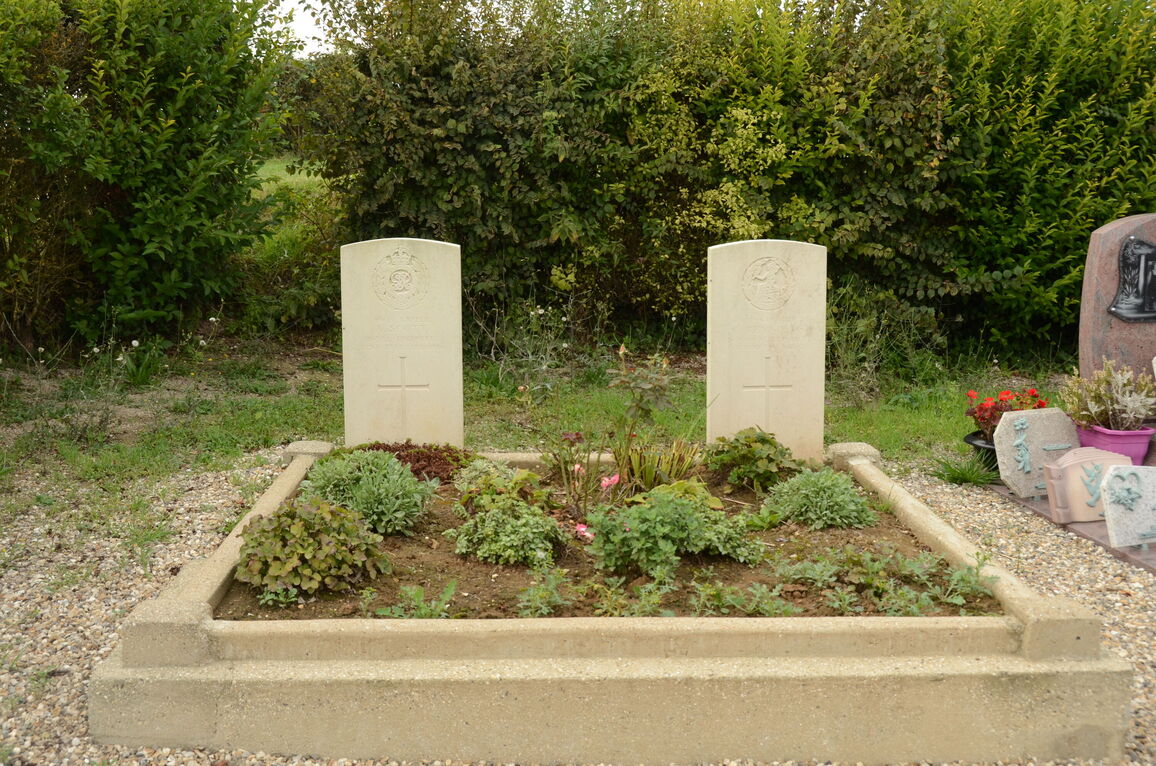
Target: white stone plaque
(1130,504)
(765,342)
(1027,439)
(401,341)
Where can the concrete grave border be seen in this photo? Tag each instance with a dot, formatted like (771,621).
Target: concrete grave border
(1033,682)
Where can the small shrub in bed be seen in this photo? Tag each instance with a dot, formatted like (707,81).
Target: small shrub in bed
(506,522)
(476,469)
(651,531)
(309,544)
(819,499)
(752,458)
(375,484)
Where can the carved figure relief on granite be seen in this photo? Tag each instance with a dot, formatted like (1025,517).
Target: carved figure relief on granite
(1136,294)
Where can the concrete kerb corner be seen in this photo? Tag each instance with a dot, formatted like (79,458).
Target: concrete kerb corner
(172,629)
(1052,627)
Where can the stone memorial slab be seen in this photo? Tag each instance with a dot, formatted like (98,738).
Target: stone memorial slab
(1130,504)
(766,336)
(1073,483)
(1118,302)
(401,341)
(1025,440)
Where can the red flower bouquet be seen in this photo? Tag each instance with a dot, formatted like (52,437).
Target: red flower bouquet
(986,413)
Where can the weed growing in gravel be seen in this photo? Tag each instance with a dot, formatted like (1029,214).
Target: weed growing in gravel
(969,470)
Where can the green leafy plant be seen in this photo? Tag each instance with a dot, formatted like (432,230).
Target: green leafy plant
(365,598)
(822,573)
(412,604)
(495,488)
(648,464)
(818,499)
(651,531)
(130,148)
(648,600)
(610,596)
(307,545)
(505,522)
(753,458)
(1113,397)
(903,600)
(713,598)
(844,599)
(472,472)
(970,470)
(375,484)
(544,595)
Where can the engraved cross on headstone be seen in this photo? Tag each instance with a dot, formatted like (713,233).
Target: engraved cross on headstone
(402,387)
(767,389)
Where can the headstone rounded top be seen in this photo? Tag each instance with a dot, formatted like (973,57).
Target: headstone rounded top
(401,241)
(1118,298)
(742,243)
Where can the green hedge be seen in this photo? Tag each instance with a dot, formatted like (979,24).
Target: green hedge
(955,155)
(130,131)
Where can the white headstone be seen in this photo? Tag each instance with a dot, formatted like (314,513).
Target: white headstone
(401,341)
(1027,439)
(1074,484)
(1130,504)
(765,341)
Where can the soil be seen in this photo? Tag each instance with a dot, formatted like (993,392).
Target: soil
(427,559)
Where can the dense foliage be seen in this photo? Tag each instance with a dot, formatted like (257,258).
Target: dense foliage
(129,136)
(375,484)
(952,155)
(652,531)
(819,499)
(308,545)
(506,518)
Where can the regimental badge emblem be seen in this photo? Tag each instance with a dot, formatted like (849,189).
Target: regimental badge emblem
(400,280)
(768,283)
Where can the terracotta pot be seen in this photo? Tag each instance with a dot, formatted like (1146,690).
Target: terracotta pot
(983,448)
(1133,444)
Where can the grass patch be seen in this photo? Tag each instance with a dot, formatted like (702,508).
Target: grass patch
(500,417)
(276,171)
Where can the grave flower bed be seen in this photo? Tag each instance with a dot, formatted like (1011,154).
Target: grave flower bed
(750,532)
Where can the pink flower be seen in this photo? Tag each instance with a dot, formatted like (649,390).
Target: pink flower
(579,469)
(584,531)
(609,481)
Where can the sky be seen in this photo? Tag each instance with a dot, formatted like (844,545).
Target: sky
(304,27)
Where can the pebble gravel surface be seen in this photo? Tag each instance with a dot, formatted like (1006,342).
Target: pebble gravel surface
(68,578)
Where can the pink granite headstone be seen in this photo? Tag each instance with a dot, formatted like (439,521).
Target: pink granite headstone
(1118,304)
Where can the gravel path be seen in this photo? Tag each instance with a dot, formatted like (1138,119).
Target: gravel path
(67,578)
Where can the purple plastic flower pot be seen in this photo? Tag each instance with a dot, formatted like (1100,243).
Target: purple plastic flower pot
(1132,444)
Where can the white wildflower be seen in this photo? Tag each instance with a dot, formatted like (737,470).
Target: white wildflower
(136,344)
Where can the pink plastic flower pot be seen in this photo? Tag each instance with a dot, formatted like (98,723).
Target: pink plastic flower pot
(1133,444)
